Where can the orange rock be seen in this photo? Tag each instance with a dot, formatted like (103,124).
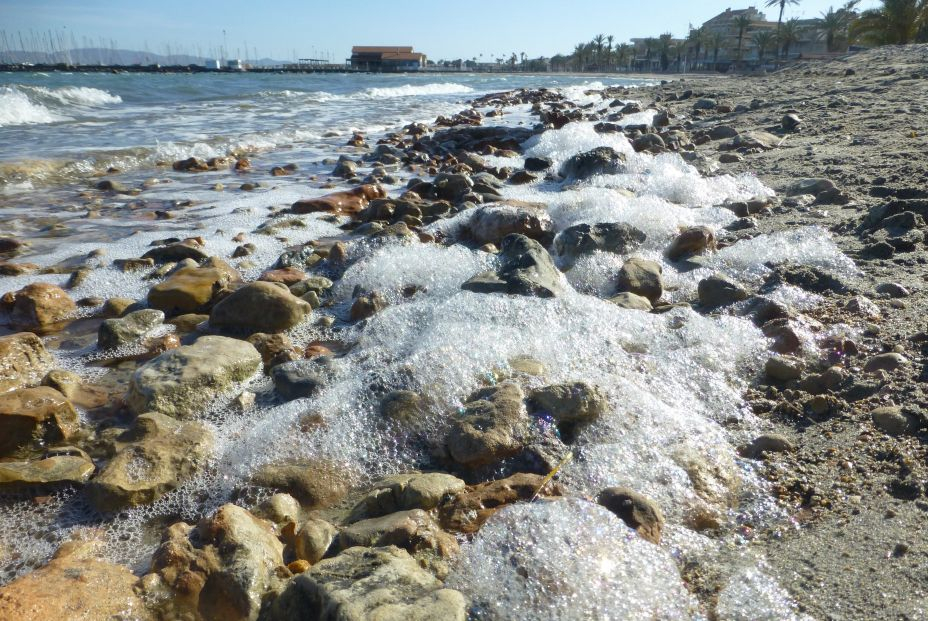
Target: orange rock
(298,567)
(29,414)
(314,350)
(40,305)
(288,275)
(348,202)
(468,510)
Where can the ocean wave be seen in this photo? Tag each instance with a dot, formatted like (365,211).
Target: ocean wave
(80,95)
(36,105)
(17,109)
(410,90)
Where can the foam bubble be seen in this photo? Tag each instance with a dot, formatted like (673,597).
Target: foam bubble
(17,109)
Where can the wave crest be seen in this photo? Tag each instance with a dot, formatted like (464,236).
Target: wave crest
(37,105)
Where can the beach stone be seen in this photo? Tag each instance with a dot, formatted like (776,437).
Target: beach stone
(11,245)
(537,164)
(221,569)
(367,305)
(452,187)
(348,202)
(274,348)
(183,382)
(768,443)
(637,511)
(783,368)
(413,530)
(631,301)
(361,584)
(188,290)
(75,584)
(40,306)
(811,186)
(615,237)
(123,331)
(177,252)
(313,540)
(525,268)
(315,483)
(572,402)
(115,307)
(491,428)
(885,362)
(719,290)
(23,361)
(890,420)
(346,168)
(599,161)
(491,224)
(29,415)
(649,142)
(187,322)
(691,241)
(404,406)
(641,277)
(790,122)
(763,141)
(50,471)
(259,307)
(405,491)
(280,509)
(468,510)
(301,378)
(721,132)
(152,458)
(287,275)
(705,104)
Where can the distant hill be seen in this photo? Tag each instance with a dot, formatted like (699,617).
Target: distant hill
(107,56)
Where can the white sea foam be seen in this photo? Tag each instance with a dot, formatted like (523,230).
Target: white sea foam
(17,109)
(416,90)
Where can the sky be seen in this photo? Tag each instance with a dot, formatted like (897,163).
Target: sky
(288,29)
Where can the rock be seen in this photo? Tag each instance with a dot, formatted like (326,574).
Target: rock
(346,168)
(691,241)
(730,158)
(632,301)
(38,414)
(222,569)
(23,361)
(109,185)
(48,472)
(316,484)
(259,307)
(492,427)
(721,132)
(783,368)
(720,290)
(525,268)
(759,140)
(177,252)
(649,142)
(367,305)
(885,362)
(615,237)
(537,164)
(126,330)
(404,406)
(636,510)
(492,224)
(641,277)
(768,443)
(314,539)
(890,420)
(188,290)
(790,122)
(11,245)
(183,382)
(274,348)
(359,584)
(413,530)
(468,510)
(811,186)
(599,161)
(406,491)
(287,275)
(280,509)
(151,459)
(75,584)
(115,307)
(705,104)
(785,339)
(452,187)
(573,402)
(40,306)
(349,202)
(301,378)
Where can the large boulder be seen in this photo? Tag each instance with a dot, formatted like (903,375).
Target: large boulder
(615,237)
(491,224)
(359,584)
(184,381)
(406,491)
(642,277)
(23,361)
(40,306)
(75,584)
(525,268)
(151,459)
(31,415)
(188,290)
(599,161)
(126,330)
(259,307)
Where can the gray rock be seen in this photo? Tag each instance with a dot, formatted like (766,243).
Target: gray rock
(615,237)
(790,122)
(599,161)
(572,402)
(783,368)
(691,241)
(641,277)
(525,268)
(405,491)
(413,530)
(768,443)
(492,427)
(182,382)
(452,187)
(890,420)
(361,584)
(49,472)
(753,140)
(811,186)
(176,252)
(893,290)
(705,104)
(636,510)
(259,307)
(632,301)
(720,290)
(721,132)
(885,362)
(345,168)
(537,164)
(301,378)
(128,329)
(151,459)
(491,224)
(647,142)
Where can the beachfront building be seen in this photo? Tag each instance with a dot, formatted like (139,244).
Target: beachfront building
(386,59)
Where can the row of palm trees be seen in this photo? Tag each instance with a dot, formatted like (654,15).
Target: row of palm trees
(896,21)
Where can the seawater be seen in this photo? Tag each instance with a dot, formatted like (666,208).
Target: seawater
(674,380)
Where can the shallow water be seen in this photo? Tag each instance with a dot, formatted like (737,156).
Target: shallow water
(673,380)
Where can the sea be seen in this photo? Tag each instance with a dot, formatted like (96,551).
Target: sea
(674,380)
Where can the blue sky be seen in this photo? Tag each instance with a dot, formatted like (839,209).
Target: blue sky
(284,29)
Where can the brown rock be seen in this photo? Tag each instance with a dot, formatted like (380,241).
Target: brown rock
(188,290)
(274,348)
(636,510)
(691,241)
(413,530)
(35,414)
(23,361)
(316,484)
(288,275)
(467,511)
(40,306)
(259,307)
(349,202)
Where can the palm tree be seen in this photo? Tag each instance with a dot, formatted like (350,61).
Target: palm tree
(716,40)
(598,42)
(834,24)
(664,44)
(764,40)
(623,55)
(743,24)
(609,41)
(695,39)
(789,34)
(782,4)
(650,43)
(897,21)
